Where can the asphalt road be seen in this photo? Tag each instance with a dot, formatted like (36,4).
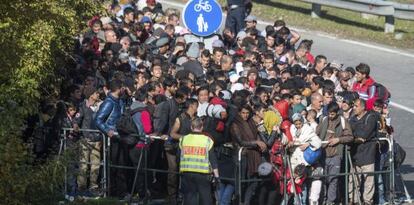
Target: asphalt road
(392,67)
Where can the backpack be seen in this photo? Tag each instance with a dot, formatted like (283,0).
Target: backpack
(129,126)
(381,92)
(399,155)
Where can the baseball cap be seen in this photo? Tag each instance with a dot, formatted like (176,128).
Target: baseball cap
(106,20)
(225,94)
(336,64)
(218,43)
(162,42)
(241,35)
(123,56)
(282,60)
(250,18)
(146,19)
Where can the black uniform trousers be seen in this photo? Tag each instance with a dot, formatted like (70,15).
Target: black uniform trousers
(196,188)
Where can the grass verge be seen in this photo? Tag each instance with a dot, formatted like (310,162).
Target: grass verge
(342,23)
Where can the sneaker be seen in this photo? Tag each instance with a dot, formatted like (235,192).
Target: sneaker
(70,197)
(127,197)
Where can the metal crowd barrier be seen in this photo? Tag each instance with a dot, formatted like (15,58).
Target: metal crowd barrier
(238,180)
(390,171)
(105,162)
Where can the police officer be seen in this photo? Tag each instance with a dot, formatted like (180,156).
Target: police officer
(236,13)
(197,162)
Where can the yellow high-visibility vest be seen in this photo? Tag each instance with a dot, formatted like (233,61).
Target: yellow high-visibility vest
(194,153)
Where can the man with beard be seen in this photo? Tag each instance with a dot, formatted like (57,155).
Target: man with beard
(337,131)
(106,118)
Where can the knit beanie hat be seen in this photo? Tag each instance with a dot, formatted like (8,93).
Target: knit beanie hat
(193,51)
(215,111)
(298,108)
(296,117)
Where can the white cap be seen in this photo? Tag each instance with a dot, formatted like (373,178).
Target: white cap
(236,87)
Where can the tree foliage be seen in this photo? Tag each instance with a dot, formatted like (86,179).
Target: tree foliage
(36,38)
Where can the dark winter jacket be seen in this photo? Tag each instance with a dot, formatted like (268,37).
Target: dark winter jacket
(85,120)
(342,131)
(165,115)
(109,113)
(365,128)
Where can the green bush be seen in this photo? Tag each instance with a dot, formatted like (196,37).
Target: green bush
(36,38)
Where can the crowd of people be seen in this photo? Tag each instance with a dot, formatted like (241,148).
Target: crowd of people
(195,103)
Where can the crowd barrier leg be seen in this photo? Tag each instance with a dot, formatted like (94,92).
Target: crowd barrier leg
(392,172)
(407,194)
(238,176)
(146,175)
(63,145)
(355,182)
(104,180)
(346,177)
(285,196)
(136,177)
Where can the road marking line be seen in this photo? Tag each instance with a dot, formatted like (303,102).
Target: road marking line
(331,37)
(402,107)
(378,47)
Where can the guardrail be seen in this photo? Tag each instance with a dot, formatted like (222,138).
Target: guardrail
(404,11)
(390,10)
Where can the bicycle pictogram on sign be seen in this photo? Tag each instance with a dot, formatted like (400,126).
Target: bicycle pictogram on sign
(205,6)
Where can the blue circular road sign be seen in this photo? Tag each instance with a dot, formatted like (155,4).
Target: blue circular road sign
(202,17)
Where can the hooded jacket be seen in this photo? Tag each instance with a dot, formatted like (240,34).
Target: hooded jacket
(145,116)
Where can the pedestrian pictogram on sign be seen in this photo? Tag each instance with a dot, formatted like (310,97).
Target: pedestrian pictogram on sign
(202,17)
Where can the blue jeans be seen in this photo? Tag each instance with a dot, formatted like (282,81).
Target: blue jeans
(303,197)
(332,166)
(380,189)
(225,193)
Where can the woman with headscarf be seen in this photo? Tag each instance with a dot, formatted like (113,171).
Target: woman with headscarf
(304,137)
(268,121)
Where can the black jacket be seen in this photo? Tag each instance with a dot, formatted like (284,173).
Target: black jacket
(164,116)
(85,120)
(366,128)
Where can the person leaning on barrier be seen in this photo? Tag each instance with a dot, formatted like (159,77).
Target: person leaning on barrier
(106,118)
(364,127)
(72,138)
(336,130)
(304,137)
(164,118)
(181,127)
(143,122)
(197,163)
(90,141)
(245,134)
(384,131)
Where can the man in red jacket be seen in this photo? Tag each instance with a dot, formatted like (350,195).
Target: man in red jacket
(365,85)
